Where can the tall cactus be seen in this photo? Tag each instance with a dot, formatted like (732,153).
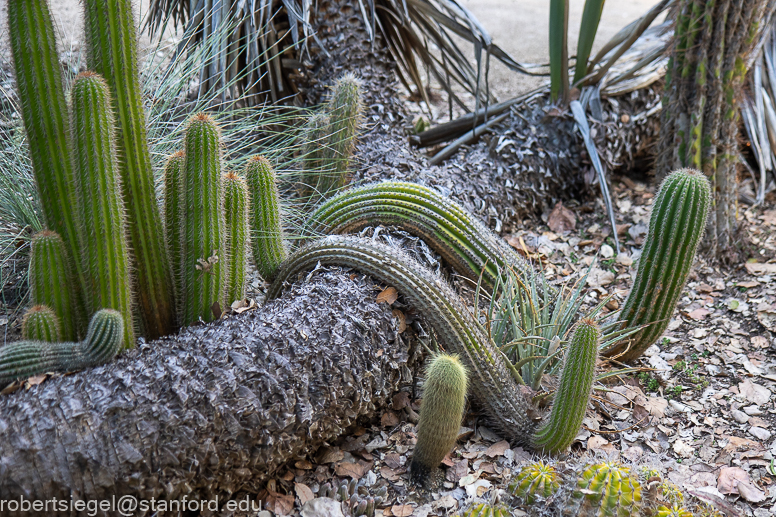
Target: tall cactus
(111,40)
(576,384)
(269,250)
(605,490)
(27,358)
(44,111)
(316,157)
(444,400)
(237,235)
(41,324)
(49,284)
(345,113)
(676,226)
(173,197)
(202,220)
(105,253)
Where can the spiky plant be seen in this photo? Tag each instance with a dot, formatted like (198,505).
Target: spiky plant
(674,511)
(487,510)
(202,220)
(41,324)
(444,400)
(173,197)
(105,253)
(49,283)
(676,226)
(269,250)
(24,359)
(605,490)
(538,479)
(316,157)
(236,235)
(111,41)
(345,111)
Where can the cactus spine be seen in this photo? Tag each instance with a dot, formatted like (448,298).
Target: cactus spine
(111,44)
(173,186)
(576,383)
(48,279)
(105,254)
(41,324)
(676,226)
(269,251)
(27,358)
(237,235)
(537,479)
(605,490)
(202,220)
(345,113)
(444,400)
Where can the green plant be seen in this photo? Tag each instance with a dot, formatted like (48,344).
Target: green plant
(111,36)
(591,18)
(236,236)
(487,510)
(202,220)
(345,110)
(674,511)
(537,479)
(173,197)
(48,279)
(444,400)
(649,381)
(24,359)
(269,250)
(41,324)
(105,254)
(559,52)
(316,157)
(676,225)
(605,489)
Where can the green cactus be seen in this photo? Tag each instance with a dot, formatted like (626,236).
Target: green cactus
(49,283)
(269,251)
(605,490)
(486,510)
(202,220)
(41,324)
(105,253)
(173,188)
(676,226)
(24,359)
(674,511)
(316,156)
(537,479)
(444,400)
(111,41)
(345,111)
(44,111)
(576,383)
(237,235)
(469,246)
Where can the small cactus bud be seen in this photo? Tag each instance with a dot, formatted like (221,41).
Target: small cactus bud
(41,324)
(536,479)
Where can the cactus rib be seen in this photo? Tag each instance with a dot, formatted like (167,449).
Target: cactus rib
(605,490)
(48,279)
(27,358)
(537,479)
(269,251)
(105,254)
(237,240)
(41,324)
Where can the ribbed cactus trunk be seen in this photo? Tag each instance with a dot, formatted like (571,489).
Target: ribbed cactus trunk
(44,111)
(105,252)
(41,324)
(111,40)
(345,113)
(237,236)
(713,43)
(202,220)
(316,162)
(173,197)
(49,283)
(269,250)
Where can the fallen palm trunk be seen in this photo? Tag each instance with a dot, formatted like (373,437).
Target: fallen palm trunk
(210,412)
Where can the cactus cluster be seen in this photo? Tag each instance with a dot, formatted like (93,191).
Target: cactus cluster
(269,250)
(444,400)
(605,489)
(356,499)
(236,235)
(487,510)
(536,480)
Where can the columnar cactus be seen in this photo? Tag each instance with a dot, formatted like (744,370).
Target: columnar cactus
(27,358)
(49,283)
(111,40)
(105,253)
(444,400)
(202,220)
(537,479)
(576,382)
(317,164)
(41,324)
(605,490)
(173,188)
(269,250)
(345,113)
(676,226)
(237,235)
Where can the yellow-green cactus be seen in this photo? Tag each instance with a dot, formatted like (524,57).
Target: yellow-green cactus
(41,324)
(486,510)
(537,479)
(605,490)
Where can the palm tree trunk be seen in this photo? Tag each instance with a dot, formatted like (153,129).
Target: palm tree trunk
(213,411)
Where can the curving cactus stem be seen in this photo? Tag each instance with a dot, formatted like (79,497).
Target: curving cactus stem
(269,250)
(676,226)
(576,382)
(105,253)
(173,188)
(444,399)
(605,490)
(202,220)
(41,324)
(48,279)
(237,236)
(537,479)
(24,359)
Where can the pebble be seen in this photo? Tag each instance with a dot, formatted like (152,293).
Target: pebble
(740,416)
(753,410)
(322,507)
(760,433)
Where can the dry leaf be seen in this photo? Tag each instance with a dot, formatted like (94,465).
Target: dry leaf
(655,406)
(561,219)
(393,460)
(401,400)
(399,315)
(750,493)
(754,393)
(332,456)
(699,314)
(402,510)
(596,442)
(280,504)
(388,295)
(729,477)
(598,277)
(303,492)
(767,316)
(756,268)
(683,449)
(353,470)
(37,379)
(389,419)
(389,473)
(497,449)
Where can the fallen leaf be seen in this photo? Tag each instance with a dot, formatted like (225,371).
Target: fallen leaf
(332,456)
(401,400)
(767,316)
(388,295)
(399,315)
(729,477)
(754,393)
(389,473)
(497,449)
(561,219)
(683,449)
(393,460)
(655,406)
(303,492)
(350,469)
(598,277)
(280,504)
(402,510)
(37,379)
(698,314)
(389,419)
(750,493)
(303,465)
(596,442)
(756,268)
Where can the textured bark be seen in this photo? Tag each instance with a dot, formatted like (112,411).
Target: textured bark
(214,410)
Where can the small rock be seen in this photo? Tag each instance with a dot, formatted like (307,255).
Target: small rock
(612,305)
(322,507)
(740,416)
(662,368)
(606,251)
(624,260)
(760,433)
(652,350)
(753,410)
